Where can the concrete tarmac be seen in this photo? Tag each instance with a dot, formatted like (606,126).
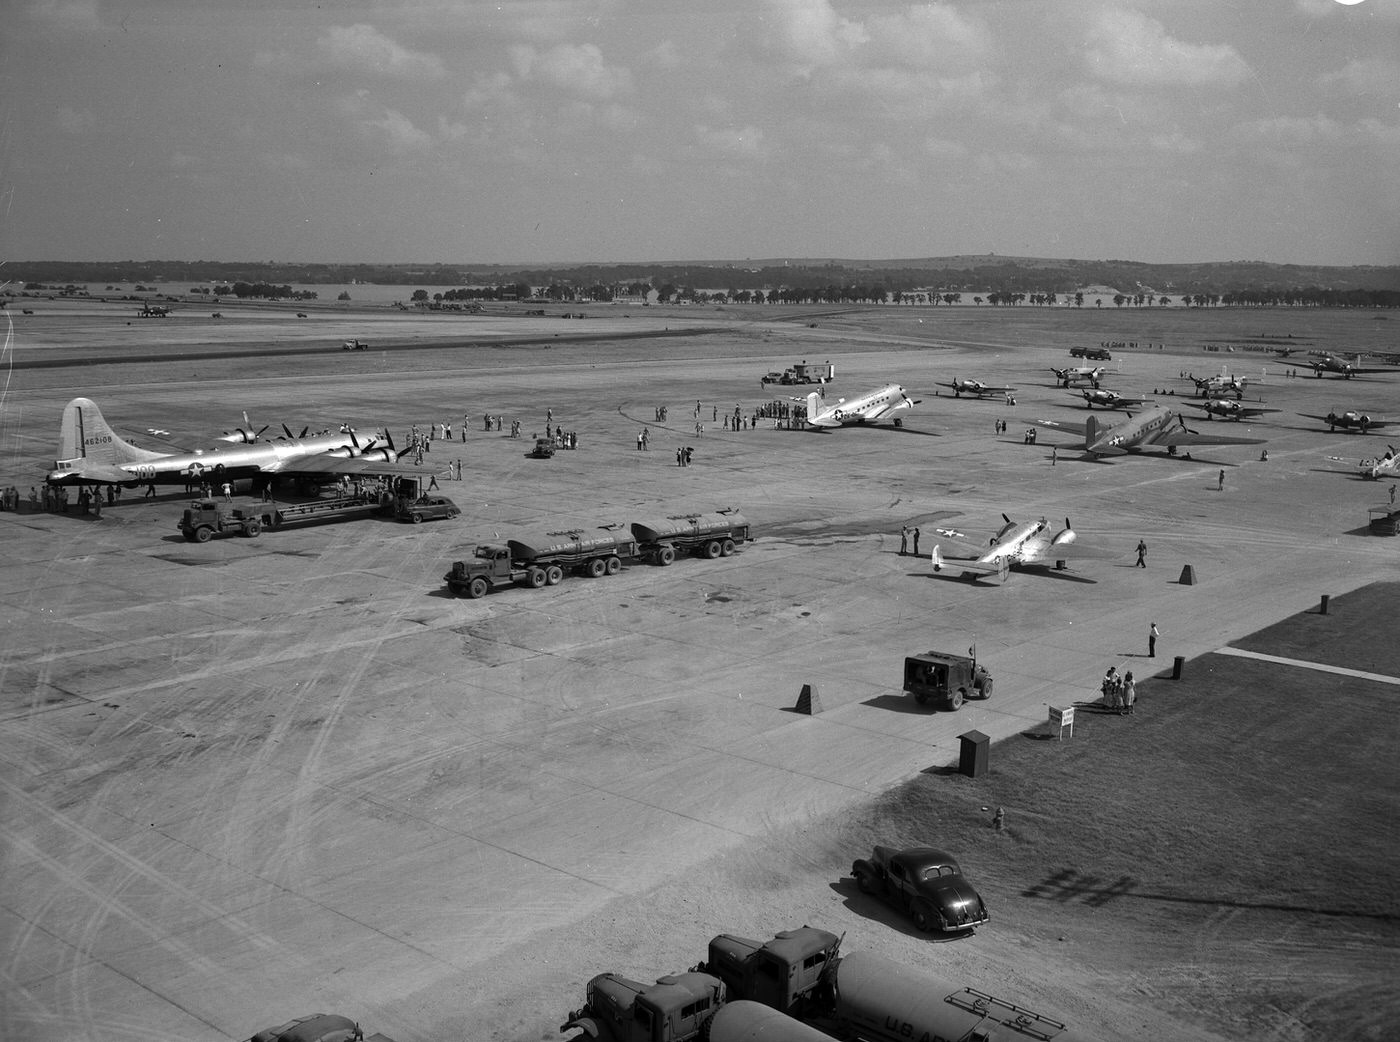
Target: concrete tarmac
(250,779)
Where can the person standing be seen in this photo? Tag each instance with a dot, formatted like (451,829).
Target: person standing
(1392,495)
(1152,636)
(904,541)
(1142,554)
(1109,687)
(1129,694)
(1054,454)
(1220,482)
(228,492)
(916,542)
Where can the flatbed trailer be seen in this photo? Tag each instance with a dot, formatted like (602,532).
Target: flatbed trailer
(342,508)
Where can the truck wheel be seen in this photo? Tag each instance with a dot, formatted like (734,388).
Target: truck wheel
(252,529)
(554,575)
(536,578)
(726,548)
(202,534)
(986,688)
(417,519)
(614,565)
(477,588)
(597,568)
(713,549)
(666,555)
(955,700)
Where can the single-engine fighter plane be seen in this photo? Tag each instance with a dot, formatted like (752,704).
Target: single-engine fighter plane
(90,452)
(1154,427)
(1019,544)
(1227,409)
(1325,363)
(1079,374)
(1387,466)
(1351,420)
(872,407)
(975,387)
(1106,399)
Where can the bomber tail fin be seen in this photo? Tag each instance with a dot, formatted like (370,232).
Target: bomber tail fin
(1091,431)
(86,436)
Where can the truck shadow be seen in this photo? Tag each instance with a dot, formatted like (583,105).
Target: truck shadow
(898,704)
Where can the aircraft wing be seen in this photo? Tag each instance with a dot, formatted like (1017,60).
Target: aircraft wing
(325,463)
(1180,437)
(970,565)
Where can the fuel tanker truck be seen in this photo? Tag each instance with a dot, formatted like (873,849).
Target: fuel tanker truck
(544,559)
(800,977)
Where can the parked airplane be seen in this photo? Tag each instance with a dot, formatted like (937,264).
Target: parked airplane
(1387,466)
(1078,374)
(1227,409)
(975,387)
(1222,384)
(877,405)
(1350,420)
(1109,399)
(1154,427)
(1021,544)
(90,452)
(153,311)
(1329,363)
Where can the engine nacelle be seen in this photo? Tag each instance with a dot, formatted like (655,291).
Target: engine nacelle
(1065,537)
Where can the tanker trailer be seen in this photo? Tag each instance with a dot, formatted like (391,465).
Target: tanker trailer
(879,1000)
(715,533)
(747,1021)
(542,560)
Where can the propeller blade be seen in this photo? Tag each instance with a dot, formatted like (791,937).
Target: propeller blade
(287,432)
(304,430)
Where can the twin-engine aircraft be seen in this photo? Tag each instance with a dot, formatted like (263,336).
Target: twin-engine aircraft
(1107,399)
(975,387)
(1079,374)
(1227,409)
(1351,420)
(1222,384)
(90,452)
(1154,427)
(879,404)
(1024,544)
(1326,363)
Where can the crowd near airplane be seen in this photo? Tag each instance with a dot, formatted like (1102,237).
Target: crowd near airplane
(90,452)
(1154,427)
(975,387)
(1351,420)
(1079,374)
(879,404)
(1021,544)
(1326,362)
(1107,399)
(1227,409)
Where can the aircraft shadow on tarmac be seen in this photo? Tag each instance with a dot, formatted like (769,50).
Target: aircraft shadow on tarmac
(951,575)
(870,907)
(882,427)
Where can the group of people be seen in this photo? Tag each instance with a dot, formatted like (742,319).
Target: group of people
(1119,691)
(56,498)
(904,535)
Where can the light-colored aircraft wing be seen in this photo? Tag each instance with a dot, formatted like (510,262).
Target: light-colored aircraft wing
(1068,426)
(1180,437)
(965,565)
(328,464)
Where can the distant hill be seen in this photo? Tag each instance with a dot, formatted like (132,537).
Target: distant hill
(977,273)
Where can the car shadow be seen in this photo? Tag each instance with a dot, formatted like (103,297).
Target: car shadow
(870,907)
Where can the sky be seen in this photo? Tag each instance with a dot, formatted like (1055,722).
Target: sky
(612,131)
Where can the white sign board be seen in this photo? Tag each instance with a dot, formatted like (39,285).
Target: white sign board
(1063,718)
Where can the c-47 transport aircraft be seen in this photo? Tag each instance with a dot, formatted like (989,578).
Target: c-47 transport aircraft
(90,452)
(1154,427)
(975,387)
(879,404)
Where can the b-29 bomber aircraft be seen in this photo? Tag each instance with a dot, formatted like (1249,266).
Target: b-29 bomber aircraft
(976,388)
(1351,420)
(879,404)
(1155,427)
(1106,399)
(91,453)
(1227,409)
(1024,544)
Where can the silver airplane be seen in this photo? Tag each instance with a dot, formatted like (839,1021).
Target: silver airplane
(1107,399)
(1222,384)
(1227,409)
(1023,544)
(879,404)
(975,387)
(1079,374)
(1387,466)
(1325,363)
(90,452)
(1153,427)
(1351,420)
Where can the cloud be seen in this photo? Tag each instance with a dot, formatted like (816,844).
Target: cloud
(1291,131)
(811,35)
(931,36)
(1128,48)
(577,69)
(364,48)
(384,128)
(1367,76)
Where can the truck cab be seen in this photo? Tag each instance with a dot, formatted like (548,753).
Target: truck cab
(945,680)
(674,1009)
(786,973)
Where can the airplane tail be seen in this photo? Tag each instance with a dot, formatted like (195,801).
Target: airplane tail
(813,404)
(85,435)
(1091,431)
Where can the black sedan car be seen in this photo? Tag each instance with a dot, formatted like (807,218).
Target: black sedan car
(425,508)
(925,883)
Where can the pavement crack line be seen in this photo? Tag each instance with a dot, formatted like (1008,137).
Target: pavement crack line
(1360,674)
